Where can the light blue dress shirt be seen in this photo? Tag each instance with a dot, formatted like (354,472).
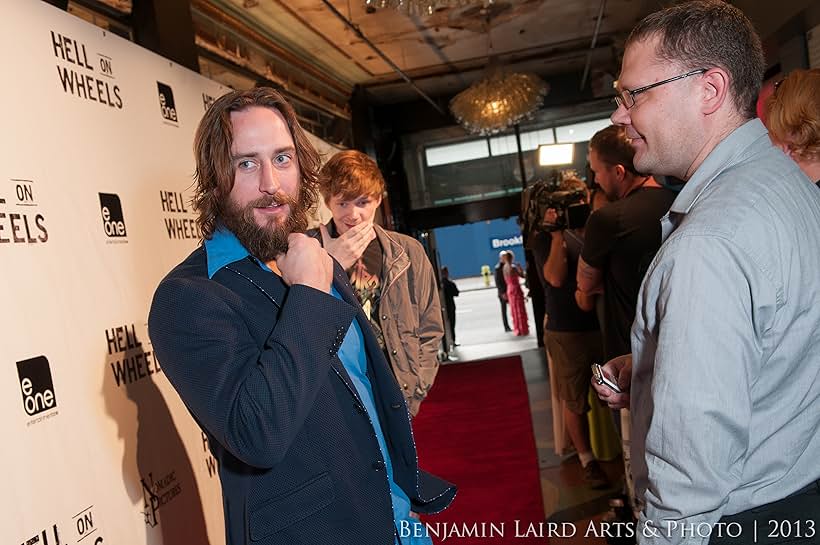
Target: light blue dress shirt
(726,342)
(224,248)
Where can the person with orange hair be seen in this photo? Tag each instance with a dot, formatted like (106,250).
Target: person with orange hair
(793,119)
(389,272)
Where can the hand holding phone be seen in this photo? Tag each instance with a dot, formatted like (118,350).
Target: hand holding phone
(600,378)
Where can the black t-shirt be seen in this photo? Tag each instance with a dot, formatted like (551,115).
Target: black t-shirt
(621,239)
(563,313)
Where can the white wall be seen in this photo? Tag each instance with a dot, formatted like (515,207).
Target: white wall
(113,456)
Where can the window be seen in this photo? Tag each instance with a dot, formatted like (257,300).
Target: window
(580,132)
(530,140)
(456,153)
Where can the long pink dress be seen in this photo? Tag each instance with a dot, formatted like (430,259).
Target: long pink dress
(515,298)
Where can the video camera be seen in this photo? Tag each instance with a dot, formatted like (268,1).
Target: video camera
(570,206)
(544,194)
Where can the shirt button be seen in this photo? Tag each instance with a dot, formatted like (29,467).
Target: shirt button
(394,352)
(395,406)
(378,465)
(384,316)
(404,386)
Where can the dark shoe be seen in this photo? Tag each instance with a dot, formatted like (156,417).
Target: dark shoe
(619,513)
(595,476)
(507,329)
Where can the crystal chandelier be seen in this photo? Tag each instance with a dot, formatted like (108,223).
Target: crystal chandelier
(498,101)
(422,7)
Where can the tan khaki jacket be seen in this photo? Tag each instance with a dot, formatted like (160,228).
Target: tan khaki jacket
(410,315)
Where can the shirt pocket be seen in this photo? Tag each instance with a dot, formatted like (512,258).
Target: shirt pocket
(292,507)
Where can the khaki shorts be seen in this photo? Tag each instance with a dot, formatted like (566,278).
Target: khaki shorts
(573,353)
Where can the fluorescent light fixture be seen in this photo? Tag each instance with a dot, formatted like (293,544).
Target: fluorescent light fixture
(555,154)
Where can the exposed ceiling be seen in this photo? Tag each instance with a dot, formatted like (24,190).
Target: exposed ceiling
(444,52)
(318,51)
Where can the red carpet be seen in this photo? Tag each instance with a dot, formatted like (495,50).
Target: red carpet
(475,430)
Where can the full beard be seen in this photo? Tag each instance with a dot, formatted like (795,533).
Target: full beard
(267,241)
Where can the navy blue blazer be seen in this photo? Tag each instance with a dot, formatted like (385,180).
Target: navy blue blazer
(255,362)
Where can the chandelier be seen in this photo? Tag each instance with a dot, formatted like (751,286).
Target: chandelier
(498,101)
(421,7)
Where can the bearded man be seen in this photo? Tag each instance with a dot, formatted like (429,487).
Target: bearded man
(263,339)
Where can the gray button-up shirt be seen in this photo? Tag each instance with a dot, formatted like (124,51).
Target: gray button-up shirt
(726,342)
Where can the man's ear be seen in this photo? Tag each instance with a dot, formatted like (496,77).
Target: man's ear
(620,172)
(788,150)
(713,88)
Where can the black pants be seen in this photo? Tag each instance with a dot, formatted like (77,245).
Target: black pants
(451,314)
(504,313)
(795,519)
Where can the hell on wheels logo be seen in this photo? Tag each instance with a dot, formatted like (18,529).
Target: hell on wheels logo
(180,218)
(20,219)
(37,388)
(85,525)
(84,73)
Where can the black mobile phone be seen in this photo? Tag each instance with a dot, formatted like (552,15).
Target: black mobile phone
(601,378)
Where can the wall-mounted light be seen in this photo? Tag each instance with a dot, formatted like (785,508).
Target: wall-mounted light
(555,154)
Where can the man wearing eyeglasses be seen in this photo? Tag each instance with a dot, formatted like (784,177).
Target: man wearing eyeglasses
(725,395)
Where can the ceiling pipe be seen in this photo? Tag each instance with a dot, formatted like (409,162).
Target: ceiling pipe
(384,57)
(592,46)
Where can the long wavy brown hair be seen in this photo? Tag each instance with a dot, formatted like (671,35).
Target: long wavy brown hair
(214,177)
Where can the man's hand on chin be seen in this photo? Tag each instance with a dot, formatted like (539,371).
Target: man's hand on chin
(305,262)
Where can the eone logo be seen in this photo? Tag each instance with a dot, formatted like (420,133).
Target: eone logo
(166,102)
(112,216)
(36,385)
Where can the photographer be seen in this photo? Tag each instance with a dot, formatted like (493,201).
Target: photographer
(570,333)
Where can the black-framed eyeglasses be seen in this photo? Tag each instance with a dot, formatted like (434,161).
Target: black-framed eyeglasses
(626,98)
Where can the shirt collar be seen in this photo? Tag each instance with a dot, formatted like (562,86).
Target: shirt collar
(223,248)
(724,154)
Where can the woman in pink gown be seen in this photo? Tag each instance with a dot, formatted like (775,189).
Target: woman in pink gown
(515,297)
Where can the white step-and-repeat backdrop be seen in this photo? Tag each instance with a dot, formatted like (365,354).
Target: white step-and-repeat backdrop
(96,167)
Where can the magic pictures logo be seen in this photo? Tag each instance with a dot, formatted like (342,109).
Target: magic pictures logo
(37,388)
(166,103)
(158,493)
(112,217)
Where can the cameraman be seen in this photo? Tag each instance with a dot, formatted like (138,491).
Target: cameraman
(621,238)
(570,334)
